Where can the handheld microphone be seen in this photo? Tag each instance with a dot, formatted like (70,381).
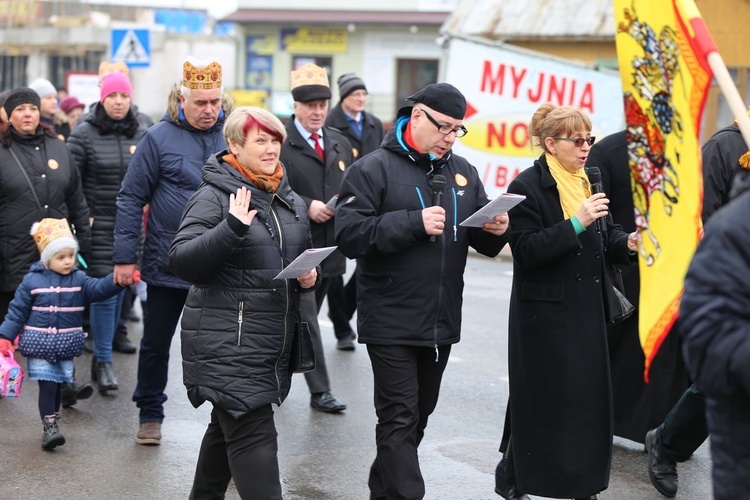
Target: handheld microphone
(438,183)
(595,179)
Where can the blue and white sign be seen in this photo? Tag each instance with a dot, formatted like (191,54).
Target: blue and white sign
(132,47)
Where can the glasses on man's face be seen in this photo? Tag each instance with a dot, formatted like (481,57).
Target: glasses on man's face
(359,94)
(445,129)
(577,141)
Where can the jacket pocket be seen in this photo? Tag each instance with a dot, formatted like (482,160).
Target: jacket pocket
(545,291)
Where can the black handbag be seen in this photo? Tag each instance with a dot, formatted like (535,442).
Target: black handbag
(303,352)
(616,306)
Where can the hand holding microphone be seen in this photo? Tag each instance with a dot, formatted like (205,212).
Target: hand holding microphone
(597,205)
(434,220)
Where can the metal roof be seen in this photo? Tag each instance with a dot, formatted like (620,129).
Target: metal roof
(533,20)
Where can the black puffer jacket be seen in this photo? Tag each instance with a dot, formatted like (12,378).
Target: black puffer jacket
(238,321)
(102,149)
(51,170)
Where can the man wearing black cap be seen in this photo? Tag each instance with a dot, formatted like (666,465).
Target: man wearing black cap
(365,133)
(315,158)
(411,253)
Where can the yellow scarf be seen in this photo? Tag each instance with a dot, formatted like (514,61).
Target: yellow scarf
(572,188)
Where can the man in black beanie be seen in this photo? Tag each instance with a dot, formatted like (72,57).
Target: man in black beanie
(365,133)
(411,254)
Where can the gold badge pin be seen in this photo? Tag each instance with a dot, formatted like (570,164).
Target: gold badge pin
(342,165)
(132,149)
(355,152)
(53,164)
(461,180)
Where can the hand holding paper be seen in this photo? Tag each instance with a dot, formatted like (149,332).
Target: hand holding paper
(498,206)
(306,261)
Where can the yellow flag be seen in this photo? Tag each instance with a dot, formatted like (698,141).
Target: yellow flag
(661,49)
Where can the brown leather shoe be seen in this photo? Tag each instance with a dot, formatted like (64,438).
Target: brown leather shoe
(149,433)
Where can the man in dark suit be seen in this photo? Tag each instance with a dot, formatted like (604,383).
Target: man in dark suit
(365,132)
(315,158)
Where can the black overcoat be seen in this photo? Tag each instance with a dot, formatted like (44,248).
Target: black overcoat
(372,131)
(560,391)
(313,179)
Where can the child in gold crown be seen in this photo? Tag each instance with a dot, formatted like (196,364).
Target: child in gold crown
(47,312)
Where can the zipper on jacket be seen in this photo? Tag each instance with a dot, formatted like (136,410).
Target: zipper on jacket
(239,323)
(440,295)
(286,293)
(455,214)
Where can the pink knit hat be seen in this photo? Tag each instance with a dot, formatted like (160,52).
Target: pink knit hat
(115,82)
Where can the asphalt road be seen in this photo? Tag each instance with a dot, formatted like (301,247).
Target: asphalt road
(321,456)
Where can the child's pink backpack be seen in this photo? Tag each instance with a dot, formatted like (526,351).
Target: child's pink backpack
(11,376)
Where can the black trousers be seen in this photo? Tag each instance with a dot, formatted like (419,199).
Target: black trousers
(407,384)
(685,427)
(243,449)
(309,306)
(342,302)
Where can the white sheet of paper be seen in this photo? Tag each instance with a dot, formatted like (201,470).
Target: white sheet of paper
(332,202)
(306,261)
(498,206)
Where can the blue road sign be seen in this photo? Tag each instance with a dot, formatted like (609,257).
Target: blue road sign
(131,46)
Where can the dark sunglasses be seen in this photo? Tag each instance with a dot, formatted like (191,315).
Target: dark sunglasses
(445,129)
(577,141)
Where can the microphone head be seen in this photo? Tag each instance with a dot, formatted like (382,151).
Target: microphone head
(594,175)
(438,182)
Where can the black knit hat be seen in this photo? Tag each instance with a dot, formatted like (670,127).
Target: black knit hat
(443,98)
(348,83)
(21,95)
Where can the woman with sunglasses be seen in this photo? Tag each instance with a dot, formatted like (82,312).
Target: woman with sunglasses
(560,391)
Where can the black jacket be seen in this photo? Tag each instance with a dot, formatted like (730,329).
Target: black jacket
(409,289)
(102,149)
(714,322)
(314,180)
(720,154)
(53,173)
(372,131)
(238,321)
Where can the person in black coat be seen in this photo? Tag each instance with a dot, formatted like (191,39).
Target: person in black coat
(714,319)
(560,390)
(411,254)
(638,406)
(244,224)
(315,158)
(365,133)
(103,145)
(38,179)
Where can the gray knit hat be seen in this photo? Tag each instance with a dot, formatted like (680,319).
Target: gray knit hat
(348,83)
(43,87)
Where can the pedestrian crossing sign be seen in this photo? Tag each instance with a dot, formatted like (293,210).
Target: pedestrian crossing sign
(132,47)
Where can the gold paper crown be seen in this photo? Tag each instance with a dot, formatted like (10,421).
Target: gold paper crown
(309,74)
(203,78)
(49,230)
(106,68)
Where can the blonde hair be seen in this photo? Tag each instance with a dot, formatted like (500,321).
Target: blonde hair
(246,118)
(550,120)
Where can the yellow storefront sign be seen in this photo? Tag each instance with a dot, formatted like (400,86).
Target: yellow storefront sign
(314,40)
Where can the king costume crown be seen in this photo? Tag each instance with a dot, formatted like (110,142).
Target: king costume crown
(201,75)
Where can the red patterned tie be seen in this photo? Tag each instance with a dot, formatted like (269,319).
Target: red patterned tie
(318,148)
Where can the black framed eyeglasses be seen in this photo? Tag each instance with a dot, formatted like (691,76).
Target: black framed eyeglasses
(445,129)
(578,141)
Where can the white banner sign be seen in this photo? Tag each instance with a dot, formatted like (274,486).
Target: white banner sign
(504,87)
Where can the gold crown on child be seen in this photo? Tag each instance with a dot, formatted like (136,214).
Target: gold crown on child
(49,230)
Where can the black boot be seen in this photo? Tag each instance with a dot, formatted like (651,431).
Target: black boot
(505,485)
(52,436)
(105,377)
(74,391)
(121,343)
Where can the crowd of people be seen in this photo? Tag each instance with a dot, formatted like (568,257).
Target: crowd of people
(95,197)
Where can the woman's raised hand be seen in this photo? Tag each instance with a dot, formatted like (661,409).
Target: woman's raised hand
(239,206)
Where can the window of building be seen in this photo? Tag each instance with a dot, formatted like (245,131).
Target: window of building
(322,61)
(13,72)
(412,75)
(61,65)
